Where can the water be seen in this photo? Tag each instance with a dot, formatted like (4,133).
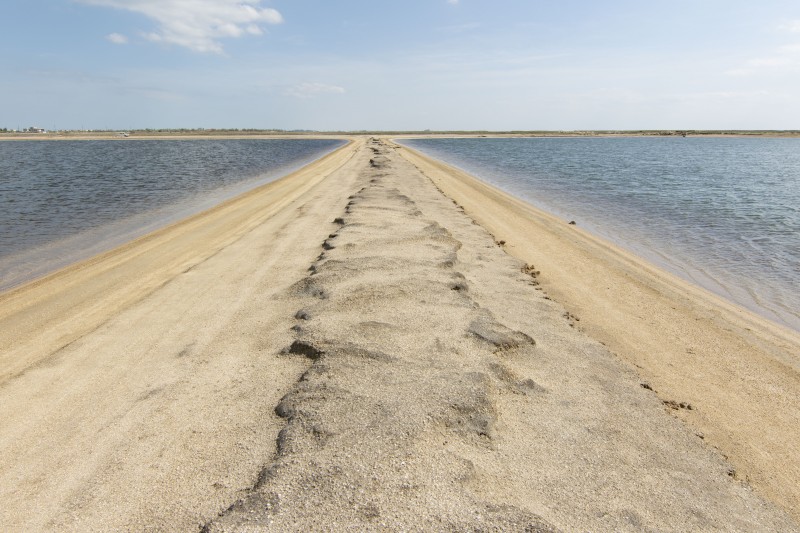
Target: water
(62,201)
(723,213)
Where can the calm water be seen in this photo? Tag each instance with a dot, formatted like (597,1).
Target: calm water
(62,201)
(723,213)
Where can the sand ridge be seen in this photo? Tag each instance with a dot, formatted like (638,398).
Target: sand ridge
(739,373)
(158,409)
(350,350)
(445,392)
(42,317)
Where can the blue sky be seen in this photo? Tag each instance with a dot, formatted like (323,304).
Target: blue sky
(414,64)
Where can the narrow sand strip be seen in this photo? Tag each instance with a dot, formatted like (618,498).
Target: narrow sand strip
(298,360)
(739,372)
(138,388)
(41,318)
(446,392)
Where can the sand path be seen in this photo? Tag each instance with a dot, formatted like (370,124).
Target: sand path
(375,362)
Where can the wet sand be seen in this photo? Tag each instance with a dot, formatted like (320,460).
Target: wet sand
(348,347)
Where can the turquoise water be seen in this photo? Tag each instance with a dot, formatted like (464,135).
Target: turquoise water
(63,201)
(723,213)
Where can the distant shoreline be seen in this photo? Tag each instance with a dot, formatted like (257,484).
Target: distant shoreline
(272,134)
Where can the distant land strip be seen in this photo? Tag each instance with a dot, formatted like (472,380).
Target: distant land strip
(211,132)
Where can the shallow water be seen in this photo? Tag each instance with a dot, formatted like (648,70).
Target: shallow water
(62,201)
(723,213)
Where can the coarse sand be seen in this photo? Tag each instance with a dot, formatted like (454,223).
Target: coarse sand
(379,342)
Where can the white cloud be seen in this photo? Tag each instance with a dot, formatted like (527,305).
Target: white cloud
(310,90)
(198,24)
(460,28)
(117,38)
(784,58)
(792,26)
(740,72)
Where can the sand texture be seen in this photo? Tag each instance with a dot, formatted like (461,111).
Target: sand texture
(731,375)
(345,349)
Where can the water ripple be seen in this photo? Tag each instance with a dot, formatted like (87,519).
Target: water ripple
(721,212)
(61,201)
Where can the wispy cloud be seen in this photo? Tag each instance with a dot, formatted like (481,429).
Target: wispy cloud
(117,38)
(198,24)
(779,59)
(66,75)
(782,58)
(453,2)
(460,28)
(310,90)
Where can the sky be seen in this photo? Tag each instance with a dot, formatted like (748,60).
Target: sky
(401,65)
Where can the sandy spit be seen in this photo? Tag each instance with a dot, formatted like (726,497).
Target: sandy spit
(137,389)
(350,348)
(739,372)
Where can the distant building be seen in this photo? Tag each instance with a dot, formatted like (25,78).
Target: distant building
(34,129)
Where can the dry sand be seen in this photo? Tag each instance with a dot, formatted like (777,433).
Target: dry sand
(347,349)
(738,372)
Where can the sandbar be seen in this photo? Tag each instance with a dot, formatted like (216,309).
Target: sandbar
(379,342)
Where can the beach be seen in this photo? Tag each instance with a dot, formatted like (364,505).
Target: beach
(380,341)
